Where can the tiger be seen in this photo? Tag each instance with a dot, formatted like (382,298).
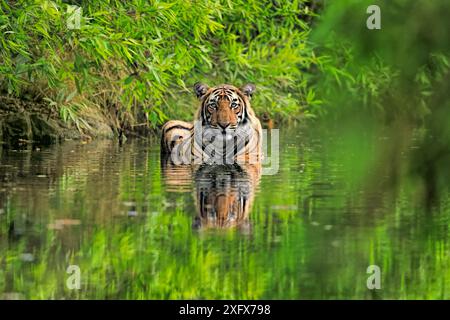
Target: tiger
(224,196)
(225,128)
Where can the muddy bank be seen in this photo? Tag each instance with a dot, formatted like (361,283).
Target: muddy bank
(23,121)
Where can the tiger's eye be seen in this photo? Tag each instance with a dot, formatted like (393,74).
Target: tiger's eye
(234,105)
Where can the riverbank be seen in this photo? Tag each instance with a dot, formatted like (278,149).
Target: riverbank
(25,121)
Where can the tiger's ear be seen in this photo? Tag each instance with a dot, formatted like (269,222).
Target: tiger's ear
(248,90)
(200,89)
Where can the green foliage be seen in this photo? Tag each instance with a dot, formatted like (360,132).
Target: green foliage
(394,70)
(398,74)
(134,56)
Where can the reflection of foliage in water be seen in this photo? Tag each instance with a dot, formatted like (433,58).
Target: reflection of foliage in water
(315,229)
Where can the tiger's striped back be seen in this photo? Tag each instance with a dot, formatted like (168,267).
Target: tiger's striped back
(173,133)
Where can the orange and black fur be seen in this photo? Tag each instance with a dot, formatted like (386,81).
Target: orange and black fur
(223,192)
(224,195)
(225,116)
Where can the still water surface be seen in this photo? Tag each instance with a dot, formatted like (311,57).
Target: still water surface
(138,229)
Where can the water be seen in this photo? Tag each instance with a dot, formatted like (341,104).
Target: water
(342,200)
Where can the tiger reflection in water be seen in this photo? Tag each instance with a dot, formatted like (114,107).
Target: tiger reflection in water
(224,190)
(223,193)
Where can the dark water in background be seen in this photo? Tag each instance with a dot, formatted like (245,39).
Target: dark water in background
(340,202)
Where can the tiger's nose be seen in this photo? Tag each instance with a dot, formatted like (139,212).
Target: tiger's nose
(224,125)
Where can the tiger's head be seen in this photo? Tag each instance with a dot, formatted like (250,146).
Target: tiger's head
(224,107)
